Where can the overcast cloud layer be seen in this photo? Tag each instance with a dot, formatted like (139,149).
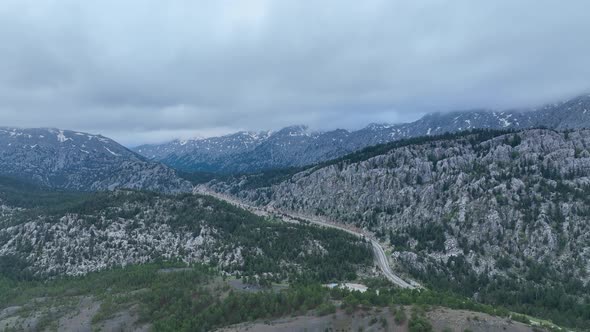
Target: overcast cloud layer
(148,71)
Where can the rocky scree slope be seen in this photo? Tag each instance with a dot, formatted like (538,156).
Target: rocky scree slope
(295,146)
(502,217)
(79,161)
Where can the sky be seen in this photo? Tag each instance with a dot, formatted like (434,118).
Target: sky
(150,71)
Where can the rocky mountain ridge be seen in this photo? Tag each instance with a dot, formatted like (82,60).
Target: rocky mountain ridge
(296,146)
(72,160)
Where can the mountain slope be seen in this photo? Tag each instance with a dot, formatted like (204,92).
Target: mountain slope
(44,233)
(78,161)
(500,217)
(297,146)
(202,154)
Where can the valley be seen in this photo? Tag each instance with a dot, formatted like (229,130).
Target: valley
(378,252)
(460,221)
(497,216)
(294,166)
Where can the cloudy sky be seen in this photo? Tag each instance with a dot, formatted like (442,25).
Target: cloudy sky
(148,71)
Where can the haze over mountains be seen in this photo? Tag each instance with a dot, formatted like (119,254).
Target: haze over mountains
(297,146)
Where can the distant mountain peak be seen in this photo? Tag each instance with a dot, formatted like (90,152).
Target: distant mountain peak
(297,145)
(74,160)
(294,130)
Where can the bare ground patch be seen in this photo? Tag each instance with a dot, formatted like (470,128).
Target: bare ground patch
(382,320)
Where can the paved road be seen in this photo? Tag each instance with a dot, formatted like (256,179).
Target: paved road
(384,265)
(378,251)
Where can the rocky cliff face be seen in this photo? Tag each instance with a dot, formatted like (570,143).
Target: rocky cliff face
(495,206)
(79,161)
(298,146)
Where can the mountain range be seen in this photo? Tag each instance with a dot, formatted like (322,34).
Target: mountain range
(72,160)
(65,159)
(295,146)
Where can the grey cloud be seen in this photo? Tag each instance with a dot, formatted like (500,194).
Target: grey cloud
(143,71)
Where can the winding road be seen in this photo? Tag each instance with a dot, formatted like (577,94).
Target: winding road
(378,251)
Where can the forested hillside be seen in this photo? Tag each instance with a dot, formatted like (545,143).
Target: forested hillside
(501,217)
(175,297)
(45,233)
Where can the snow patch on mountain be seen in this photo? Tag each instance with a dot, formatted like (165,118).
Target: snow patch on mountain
(61,137)
(111,152)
